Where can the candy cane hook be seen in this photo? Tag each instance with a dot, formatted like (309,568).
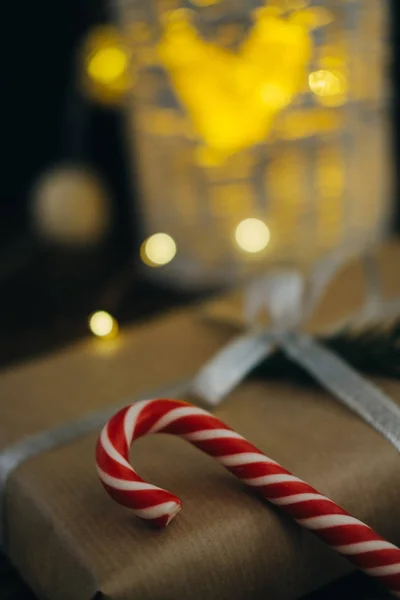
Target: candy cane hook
(345,534)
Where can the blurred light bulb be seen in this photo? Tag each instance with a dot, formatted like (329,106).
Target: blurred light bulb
(329,86)
(106,76)
(204,2)
(107,64)
(252,235)
(158,250)
(71,207)
(103,325)
(275,96)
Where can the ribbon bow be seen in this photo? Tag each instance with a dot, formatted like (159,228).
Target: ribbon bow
(289,300)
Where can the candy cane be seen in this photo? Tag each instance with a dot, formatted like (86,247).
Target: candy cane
(345,534)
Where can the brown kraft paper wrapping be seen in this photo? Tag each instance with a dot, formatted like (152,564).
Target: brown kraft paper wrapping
(71,542)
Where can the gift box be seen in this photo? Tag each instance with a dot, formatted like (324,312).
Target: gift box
(69,541)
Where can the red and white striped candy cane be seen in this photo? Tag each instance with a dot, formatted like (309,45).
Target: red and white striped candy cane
(345,534)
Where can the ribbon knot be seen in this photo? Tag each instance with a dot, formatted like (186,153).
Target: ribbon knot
(287,298)
(289,301)
(281,296)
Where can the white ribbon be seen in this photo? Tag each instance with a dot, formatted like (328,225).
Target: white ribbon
(288,301)
(282,295)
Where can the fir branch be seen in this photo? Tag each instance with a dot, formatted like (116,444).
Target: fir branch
(374,351)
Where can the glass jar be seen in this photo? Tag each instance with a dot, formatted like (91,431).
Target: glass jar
(258,131)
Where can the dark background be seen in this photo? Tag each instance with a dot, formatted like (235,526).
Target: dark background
(46,294)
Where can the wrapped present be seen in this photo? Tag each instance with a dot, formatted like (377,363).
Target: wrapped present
(70,541)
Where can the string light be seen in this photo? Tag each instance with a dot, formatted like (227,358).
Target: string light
(252,235)
(107,64)
(329,86)
(106,76)
(103,325)
(242,90)
(158,250)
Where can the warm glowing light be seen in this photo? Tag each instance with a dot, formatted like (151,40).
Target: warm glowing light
(329,86)
(233,97)
(275,96)
(103,325)
(324,83)
(106,75)
(252,235)
(158,250)
(107,64)
(204,2)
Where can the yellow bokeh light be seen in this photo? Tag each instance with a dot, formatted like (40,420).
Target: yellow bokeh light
(233,96)
(158,250)
(204,2)
(107,64)
(329,86)
(103,325)
(275,96)
(106,75)
(252,235)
